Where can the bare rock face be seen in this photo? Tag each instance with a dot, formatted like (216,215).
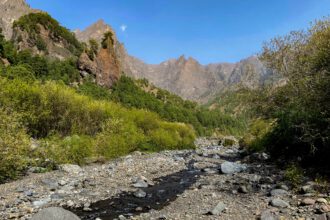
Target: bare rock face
(105,67)
(191,80)
(96,31)
(11,10)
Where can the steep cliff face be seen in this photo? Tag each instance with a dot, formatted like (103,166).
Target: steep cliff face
(11,10)
(104,66)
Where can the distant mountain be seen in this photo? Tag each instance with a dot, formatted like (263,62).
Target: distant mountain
(11,10)
(191,80)
(186,77)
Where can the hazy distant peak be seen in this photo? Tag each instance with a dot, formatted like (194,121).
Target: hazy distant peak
(95,31)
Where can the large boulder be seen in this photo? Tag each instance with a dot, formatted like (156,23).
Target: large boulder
(55,213)
(230,167)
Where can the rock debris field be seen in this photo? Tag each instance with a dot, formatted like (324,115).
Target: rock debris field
(211,182)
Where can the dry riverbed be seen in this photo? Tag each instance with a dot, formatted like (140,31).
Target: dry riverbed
(211,182)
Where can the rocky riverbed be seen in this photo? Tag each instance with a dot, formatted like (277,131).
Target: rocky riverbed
(211,182)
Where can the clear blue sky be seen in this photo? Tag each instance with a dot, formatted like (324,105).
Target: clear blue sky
(208,30)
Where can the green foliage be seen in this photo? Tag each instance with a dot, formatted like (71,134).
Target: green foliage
(14,143)
(228,142)
(39,66)
(93,48)
(91,127)
(294,174)
(94,91)
(117,138)
(302,106)
(20,72)
(71,149)
(107,40)
(140,94)
(31,23)
(256,136)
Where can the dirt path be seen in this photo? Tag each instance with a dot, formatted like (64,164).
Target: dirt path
(212,182)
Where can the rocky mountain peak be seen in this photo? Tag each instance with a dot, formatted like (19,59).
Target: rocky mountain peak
(95,31)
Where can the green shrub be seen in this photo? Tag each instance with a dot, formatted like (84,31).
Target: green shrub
(228,142)
(256,136)
(294,175)
(71,149)
(14,145)
(301,107)
(117,138)
(21,71)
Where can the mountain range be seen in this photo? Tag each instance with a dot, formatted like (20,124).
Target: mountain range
(183,76)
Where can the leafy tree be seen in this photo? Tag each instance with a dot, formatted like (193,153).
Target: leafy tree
(302,106)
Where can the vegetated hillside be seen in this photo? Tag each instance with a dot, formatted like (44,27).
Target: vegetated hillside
(44,35)
(68,127)
(143,95)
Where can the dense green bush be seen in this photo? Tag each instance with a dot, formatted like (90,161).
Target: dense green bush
(302,107)
(255,137)
(14,145)
(70,149)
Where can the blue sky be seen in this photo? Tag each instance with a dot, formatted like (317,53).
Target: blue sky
(208,30)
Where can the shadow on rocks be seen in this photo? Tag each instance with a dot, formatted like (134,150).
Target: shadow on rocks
(167,189)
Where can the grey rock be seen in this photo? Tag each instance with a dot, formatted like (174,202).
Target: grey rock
(307,189)
(267,215)
(209,170)
(141,184)
(220,207)
(308,201)
(57,196)
(50,183)
(266,180)
(278,192)
(321,217)
(55,213)
(279,203)
(140,194)
(71,168)
(28,193)
(322,200)
(230,167)
(20,189)
(41,203)
(37,170)
(243,189)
